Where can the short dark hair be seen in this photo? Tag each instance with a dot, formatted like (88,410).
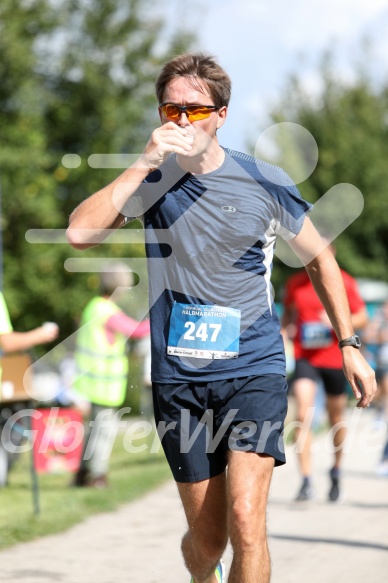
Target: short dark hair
(197,67)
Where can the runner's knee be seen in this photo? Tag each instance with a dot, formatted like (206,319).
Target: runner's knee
(247,527)
(204,545)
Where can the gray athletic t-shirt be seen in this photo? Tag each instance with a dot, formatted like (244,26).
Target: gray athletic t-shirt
(210,241)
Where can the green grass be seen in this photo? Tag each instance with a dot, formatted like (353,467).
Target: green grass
(130,476)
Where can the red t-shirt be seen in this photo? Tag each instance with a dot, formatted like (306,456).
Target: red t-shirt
(316,341)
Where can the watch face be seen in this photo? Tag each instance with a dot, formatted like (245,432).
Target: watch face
(352,341)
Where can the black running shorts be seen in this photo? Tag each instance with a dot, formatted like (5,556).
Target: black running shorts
(333,379)
(199,422)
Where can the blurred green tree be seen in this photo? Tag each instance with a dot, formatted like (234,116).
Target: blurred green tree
(28,186)
(76,77)
(349,122)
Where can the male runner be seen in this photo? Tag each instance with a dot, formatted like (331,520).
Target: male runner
(211,217)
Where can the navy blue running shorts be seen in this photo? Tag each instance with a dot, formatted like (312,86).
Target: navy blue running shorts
(333,379)
(199,422)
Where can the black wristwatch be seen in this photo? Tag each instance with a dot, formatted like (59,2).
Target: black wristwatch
(351,341)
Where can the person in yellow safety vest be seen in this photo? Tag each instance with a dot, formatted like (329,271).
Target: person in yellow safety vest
(102,370)
(11,341)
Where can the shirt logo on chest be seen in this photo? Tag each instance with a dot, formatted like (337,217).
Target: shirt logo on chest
(228,209)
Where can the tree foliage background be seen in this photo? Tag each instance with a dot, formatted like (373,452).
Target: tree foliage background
(349,121)
(76,76)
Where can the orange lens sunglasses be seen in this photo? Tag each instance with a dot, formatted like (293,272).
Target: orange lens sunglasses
(193,112)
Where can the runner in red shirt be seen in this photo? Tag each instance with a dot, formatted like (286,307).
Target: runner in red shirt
(318,358)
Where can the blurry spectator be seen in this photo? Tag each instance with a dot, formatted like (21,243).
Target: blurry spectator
(11,341)
(102,370)
(376,334)
(67,396)
(318,359)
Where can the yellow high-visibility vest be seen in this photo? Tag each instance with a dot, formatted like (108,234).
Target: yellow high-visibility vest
(101,367)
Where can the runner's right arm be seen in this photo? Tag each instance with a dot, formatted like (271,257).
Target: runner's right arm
(90,222)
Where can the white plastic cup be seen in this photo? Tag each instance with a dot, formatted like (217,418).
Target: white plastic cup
(50,326)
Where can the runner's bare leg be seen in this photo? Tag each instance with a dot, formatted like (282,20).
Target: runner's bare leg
(205,507)
(249,478)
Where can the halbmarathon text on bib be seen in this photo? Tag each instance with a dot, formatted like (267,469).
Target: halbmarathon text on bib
(198,331)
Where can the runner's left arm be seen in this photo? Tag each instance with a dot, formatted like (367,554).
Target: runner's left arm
(326,278)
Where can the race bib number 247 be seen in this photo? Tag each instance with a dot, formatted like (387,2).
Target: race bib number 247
(201,331)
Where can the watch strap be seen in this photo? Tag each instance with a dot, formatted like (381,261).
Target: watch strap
(351,341)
